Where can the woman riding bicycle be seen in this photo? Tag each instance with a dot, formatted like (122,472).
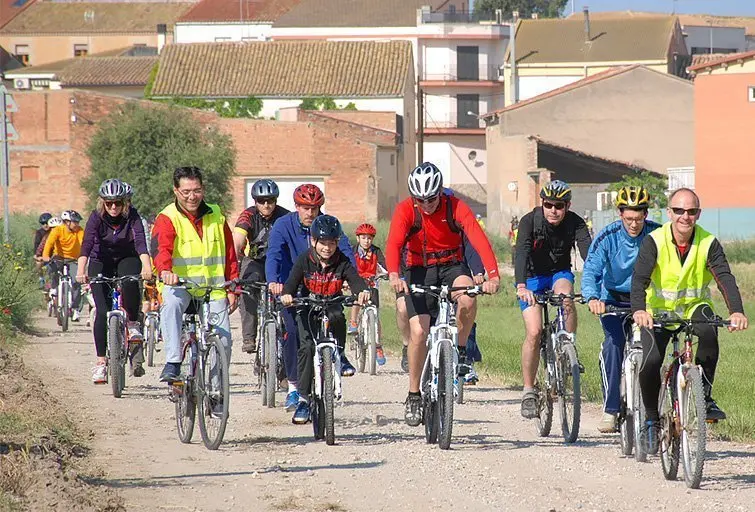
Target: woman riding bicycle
(114,246)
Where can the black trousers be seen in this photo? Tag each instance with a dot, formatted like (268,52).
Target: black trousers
(654,345)
(308,324)
(103,295)
(255,270)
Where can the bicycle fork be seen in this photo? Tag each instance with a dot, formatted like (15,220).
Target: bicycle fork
(336,362)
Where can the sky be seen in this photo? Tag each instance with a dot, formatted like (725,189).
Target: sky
(717,7)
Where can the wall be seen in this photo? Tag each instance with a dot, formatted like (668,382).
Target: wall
(210,32)
(724,149)
(45,49)
(270,106)
(387,182)
(730,38)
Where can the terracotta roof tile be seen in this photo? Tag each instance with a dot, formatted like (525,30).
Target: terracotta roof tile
(695,20)
(338,69)
(94,17)
(215,11)
(612,40)
(723,59)
(9,9)
(355,13)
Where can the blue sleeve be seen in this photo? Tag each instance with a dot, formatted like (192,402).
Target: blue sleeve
(592,273)
(345,246)
(274,256)
(472,258)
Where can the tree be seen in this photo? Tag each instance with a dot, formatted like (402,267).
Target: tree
(143,146)
(656,186)
(324,103)
(543,8)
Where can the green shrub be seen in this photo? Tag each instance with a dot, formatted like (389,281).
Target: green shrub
(740,251)
(19,294)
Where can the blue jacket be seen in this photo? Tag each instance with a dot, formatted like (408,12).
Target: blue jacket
(288,239)
(610,260)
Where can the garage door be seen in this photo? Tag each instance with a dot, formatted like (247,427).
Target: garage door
(287,187)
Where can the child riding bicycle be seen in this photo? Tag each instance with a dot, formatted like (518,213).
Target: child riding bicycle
(370,260)
(321,271)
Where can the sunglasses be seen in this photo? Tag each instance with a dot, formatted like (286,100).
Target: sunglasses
(110,204)
(429,200)
(551,206)
(689,211)
(265,200)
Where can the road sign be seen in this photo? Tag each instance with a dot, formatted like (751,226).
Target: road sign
(10,103)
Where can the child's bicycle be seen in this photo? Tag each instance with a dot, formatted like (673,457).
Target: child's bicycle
(367,339)
(326,387)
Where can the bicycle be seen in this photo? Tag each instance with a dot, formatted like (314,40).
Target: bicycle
(631,418)
(64,295)
(365,342)
(681,404)
(152,327)
(558,375)
(270,328)
(119,347)
(440,384)
(326,386)
(204,379)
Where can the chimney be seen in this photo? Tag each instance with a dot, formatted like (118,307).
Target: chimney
(162,31)
(586,11)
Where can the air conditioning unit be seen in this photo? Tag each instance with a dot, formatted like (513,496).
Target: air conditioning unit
(21,83)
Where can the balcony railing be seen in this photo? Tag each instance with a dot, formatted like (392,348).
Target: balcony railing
(452,119)
(457,17)
(484,74)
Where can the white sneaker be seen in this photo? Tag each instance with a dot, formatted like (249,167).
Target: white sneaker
(607,425)
(135,332)
(75,315)
(99,374)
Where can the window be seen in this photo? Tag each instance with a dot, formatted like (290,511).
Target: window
(80,50)
(29,173)
(467,110)
(751,93)
(22,53)
(679,177)
(221,39)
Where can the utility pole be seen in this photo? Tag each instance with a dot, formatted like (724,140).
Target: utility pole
(7,133)
(420,123)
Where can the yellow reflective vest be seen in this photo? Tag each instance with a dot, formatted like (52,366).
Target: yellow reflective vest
(676,288)
(199,260)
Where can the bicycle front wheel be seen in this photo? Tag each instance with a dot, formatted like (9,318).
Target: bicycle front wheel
(445,394)
(570,400)
(668,440)
(63,316)
(693,427)
(151,338)
(215,393)
(184,395)
(641,447)
(270,365)
(430,416)
(328,392)
(116,361)
(370,340)
(544,420)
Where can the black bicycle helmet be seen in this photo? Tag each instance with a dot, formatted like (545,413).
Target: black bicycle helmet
(265,188)
(325,226)
(75,216)
(556,190)
(44,218)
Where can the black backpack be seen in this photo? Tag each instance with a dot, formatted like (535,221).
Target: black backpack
(540,235)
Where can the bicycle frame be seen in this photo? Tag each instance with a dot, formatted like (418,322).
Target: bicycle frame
(65,278)
(443,329)
(326,339)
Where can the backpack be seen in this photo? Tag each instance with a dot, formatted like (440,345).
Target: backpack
(417,226)
(540,235)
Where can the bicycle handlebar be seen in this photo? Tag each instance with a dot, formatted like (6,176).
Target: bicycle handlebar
(682,323)
(617,310)
(346,300)
(557,299)
(472,291)
(100,279)
(185,283)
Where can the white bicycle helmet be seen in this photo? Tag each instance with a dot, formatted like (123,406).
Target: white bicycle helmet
(113,189)
(54,221)
(129,190)
(66,215)
(425,181)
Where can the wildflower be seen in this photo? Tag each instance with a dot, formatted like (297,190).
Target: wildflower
(6,311)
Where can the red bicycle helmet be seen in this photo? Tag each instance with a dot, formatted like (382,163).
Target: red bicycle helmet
(309,195)
(366,229)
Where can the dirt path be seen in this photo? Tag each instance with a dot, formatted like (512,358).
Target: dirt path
(266,463)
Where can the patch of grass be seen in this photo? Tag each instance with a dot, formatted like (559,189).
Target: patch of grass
(500,332)
(740,251)
(8,503)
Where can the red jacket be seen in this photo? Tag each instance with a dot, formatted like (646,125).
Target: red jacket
(165,233)
(436,236)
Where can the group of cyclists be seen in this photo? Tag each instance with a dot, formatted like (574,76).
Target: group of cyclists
(434,239)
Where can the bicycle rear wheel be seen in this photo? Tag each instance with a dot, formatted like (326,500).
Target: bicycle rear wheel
(184,394)
(445,394)
(360,344)
(693,427)
(544,420)
(668,441)
(151,339)
(215,393)
(116,358)
(63,316)
(270,366)
(570,400)
(370,340)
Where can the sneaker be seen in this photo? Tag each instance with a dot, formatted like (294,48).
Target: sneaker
(529,405)
(292,400)
(347,369)
(301,415)
(352,328)
(471,377)
(380,356)
(171,372)
(413,410)
(712,411)
(404,361)
(249,346)
(138,370)
(216,408)
(75,315)
(135,332)
(607,425)
(99,374)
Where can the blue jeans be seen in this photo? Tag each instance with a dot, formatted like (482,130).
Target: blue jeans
(616,330)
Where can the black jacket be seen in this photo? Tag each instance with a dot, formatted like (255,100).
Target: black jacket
(327,281)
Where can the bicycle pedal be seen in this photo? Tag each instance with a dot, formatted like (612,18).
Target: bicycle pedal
(581,368)
(711,421)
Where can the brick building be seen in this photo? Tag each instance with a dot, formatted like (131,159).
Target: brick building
(356,163)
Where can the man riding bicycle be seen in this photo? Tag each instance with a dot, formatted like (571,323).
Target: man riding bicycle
(607,279)
(253,229)
(63,247)
(545,239)
(193,243)
(288,240)
(675,267)
(434,256)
